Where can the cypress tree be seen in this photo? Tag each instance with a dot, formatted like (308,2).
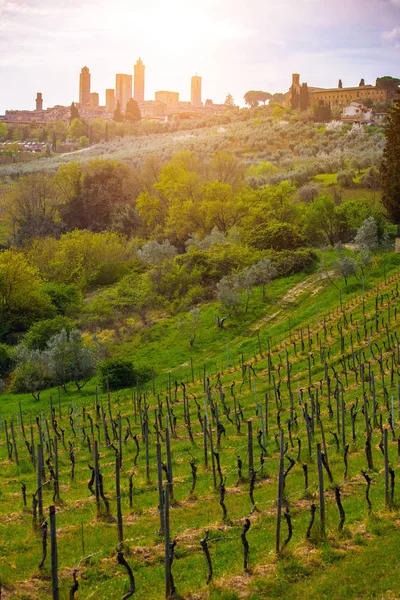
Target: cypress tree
(390,167)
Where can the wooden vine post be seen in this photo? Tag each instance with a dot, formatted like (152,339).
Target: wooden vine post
(167,544)
(280,491)
(54,556)
(321,491)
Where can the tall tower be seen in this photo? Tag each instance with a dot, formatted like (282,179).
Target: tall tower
(138,92)
(84,87)
(110,100)
(196,91)
(123,90)
(39,101)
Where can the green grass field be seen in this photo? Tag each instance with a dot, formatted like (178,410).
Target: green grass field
(253,352)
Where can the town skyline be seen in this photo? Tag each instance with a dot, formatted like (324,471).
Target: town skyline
(232,49)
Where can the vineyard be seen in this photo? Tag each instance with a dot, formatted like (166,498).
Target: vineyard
(236,482)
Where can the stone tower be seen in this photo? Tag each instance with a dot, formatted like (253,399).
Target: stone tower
(196,91)
(84,87)
(39,101)
(123,90)
(138,85)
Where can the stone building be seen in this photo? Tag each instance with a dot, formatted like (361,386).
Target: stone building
(94,100)
(84,87)
(138,85)
(123,90)
(196,91)
(39,101)
(301,96)
(110,100)
(167,97)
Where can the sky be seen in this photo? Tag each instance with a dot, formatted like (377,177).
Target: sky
(234,45)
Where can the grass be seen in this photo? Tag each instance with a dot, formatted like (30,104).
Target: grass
(306,568)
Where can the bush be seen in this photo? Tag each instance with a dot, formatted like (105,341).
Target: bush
(121,373)
(42,331)
(6,361)
(289,262)
(276,236)
(65,297)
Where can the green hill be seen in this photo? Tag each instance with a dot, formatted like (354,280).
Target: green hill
(319,369)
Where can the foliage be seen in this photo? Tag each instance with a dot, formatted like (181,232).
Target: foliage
(154,253)
(132,112)
(254,97)
(6,360)
(390,167)
(275,236)
(69,359)
(22,298)
(120,373)
(39,334)
(31,373)
(67,298)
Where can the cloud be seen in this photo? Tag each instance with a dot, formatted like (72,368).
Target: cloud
(393,35)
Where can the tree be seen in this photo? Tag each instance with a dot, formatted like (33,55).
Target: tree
(189,324)
(69,359)
(340,84)
(229,101)
(220,206)
(254,97)
(263,273)
(387,83)
(74,112)
(30,210)
(322,113)
(278,98)
(106,134)
(76,130)
(346,178)
(22,300)
(42,331)
(54,142)
(132,112)
(229,293)
(390,167)
(154,253)
(3,130)
(31,373)
(118,116)
(304,99)
(346,266)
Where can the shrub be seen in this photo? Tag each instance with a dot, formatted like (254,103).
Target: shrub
(121,373)
(42,331)
(6,361)
(289,262)
(276,236)
(65,297)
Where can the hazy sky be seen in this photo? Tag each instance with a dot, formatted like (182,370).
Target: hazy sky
(234,45)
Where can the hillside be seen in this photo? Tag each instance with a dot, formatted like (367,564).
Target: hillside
(314,369)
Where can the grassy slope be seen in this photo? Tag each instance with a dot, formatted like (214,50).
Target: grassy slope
(298,574)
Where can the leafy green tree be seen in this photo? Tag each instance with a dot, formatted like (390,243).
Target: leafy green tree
(76,130)
(275,236)
(42,331)
(118,373)
(30,210)
(229,101)
(83,141)
(69,359)
(67,298)
(31,373)
(390,167)
(74,112)
(322,113)
(22,300)
(254,97)
(132,112)
(3,130)
(118,116)
(387,83)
